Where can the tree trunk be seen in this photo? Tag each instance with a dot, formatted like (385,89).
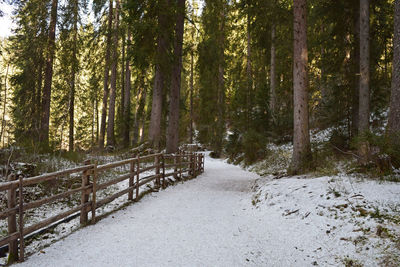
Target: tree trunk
(74,69)
(173,115)
(113,88)
(3,120)
(46,98)
(160,75)
(127,95)
(394,113)
(139,110)
(272,102)
(364,98)
(38,98)
(301,159)
(356,68)
(106,77)
(249,70)
(191,94)
(363,113)
(220,123)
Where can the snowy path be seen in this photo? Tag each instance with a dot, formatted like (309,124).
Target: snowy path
(201,222)
(218,220)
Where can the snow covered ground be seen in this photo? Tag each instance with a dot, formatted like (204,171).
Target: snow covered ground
(231,217)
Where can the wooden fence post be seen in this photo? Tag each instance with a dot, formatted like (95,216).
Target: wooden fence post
(194,165)
(131,179)
(94,191)
(12,223)
(176,156)
(85,195)
(157,163)
(137,178)
(163,170)
(203,162)
(180,166)
(21,221)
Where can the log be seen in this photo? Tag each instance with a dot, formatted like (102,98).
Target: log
(55,218)
(131,180)
(21,222)
(107,166)
(12,223)
(84,196)
(51,199)
(94,193)
(137,178)
(114,181)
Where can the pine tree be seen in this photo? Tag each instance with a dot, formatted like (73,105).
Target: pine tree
(394,114)
(173,115)
(301,159)
(161,71)
(113,91)
(106,89)
(48,78)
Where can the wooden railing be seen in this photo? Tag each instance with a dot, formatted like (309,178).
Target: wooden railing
(163,165)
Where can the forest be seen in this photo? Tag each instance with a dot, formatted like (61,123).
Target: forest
(84,76)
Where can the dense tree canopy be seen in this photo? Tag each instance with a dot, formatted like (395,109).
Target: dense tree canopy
(114,74)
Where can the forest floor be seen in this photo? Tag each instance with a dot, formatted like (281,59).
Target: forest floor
(232,217)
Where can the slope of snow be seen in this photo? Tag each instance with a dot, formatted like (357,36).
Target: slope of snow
(231,217)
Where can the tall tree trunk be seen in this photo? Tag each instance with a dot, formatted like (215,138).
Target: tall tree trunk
(272,102)
(51,45)
(39,83)
(113,88)
(74,69)
(120,114)
(364,98)
(394,113)
(127,97)
(175,92)
(249,70)
(106,89)
(191,94)
(139,109)
(363,113)
(220,123)
(3,120)
(356,68)
(97,120)
(93,120)
(160,74)
(301,159)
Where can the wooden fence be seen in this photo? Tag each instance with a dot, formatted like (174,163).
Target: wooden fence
(164,166)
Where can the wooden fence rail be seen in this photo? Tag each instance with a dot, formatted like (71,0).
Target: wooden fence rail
(164,165)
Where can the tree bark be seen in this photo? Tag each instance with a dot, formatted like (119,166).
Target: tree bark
(249,70)
(394,112)
(191,94)
(46,98)
(74,69)
(139,110)
(272,102)
(160,75)
(220,123)
(113,88)
(356,66)
(173,115)
(363,111)
(127,95)
(3,120)
(301,159)
(106,76)
(364,98)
